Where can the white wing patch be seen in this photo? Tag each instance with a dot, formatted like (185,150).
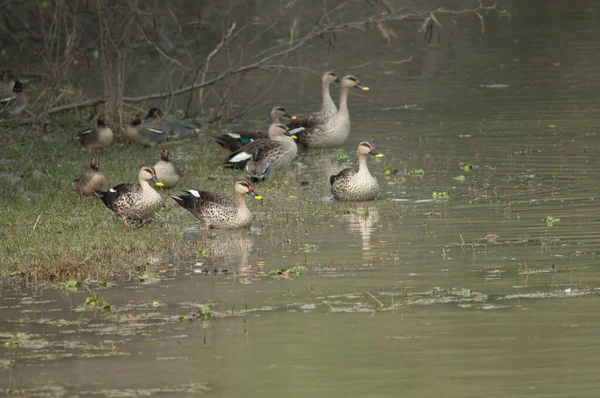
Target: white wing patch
(194,192)
(240,157)
(156,131)
(112,190)
(234,135)
(296,130)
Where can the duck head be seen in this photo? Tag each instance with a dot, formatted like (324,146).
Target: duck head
(350,81)
(149,174)
(280,111)
(330,77)
(364,149)
(244,188)
(166,155)
(154,113)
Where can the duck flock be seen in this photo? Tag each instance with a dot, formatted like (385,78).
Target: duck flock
(257,153)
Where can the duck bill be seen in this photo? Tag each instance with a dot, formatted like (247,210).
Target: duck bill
(156,182)
(363,88)
(254,195)
(291,135)
(376,153)
(290,116)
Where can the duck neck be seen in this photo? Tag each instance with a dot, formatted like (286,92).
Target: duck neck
(146,187)
(343,102)
(241,201)
(362,165)
(328,103)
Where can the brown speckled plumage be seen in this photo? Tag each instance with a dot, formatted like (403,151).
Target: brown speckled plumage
(92,180)
(350,184)
(133,201)
(218,210)
(335,130)
(328,108)
(166,171)
(280,150)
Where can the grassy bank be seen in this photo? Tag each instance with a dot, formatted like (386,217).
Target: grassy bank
(47,232)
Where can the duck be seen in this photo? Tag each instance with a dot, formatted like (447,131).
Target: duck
(145,134)
(92,180)
(328,108)
(258,168)
(235,140)
(218,210)
(350,184)
(14,103)
(279,149)
(134,201)
(7,82)
(166,171)
(96,138)
(176,129)
(333,131)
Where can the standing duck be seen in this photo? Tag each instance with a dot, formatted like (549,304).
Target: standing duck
(176,129)
(217,210)
(279,149)
(145,134)
(14,103)
(96,138)
(334,131)
(92,180)
(258,168)
(166,171)
(328,108)
(350,184)
(133,201)
(236,140)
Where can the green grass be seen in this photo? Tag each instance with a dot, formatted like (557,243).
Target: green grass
(47,232)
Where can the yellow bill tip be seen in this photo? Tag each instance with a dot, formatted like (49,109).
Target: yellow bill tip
(258,197)
(294,117)
(366,88)
(294,137)
(379,155)
(160,184)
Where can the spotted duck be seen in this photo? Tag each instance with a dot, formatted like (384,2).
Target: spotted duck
(218,210)
(350,184)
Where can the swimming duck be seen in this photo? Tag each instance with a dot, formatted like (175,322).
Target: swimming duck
(92,180)
(166,171)
(335,130)
(328,108)
(235,140)
(14,103)
(279,149)
(217,210)
(350,184)
(176,129)
(96,138)
(133,201)
(145,134)
(258,168)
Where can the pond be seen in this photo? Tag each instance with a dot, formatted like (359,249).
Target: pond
(486,288)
